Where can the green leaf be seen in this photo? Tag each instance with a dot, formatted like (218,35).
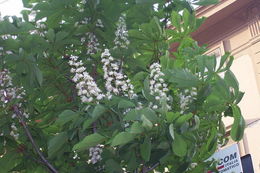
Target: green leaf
(136,128)
(186,19)
(140,76)
(239,96)
(183,118)
(182,77)
(231,80)
(176,20)
(122,138)
(87,123)
(132,115)
(171,116)
(166,61)
(26,3)
(66,116)
(212,141)
(56,143)
(124,104)
(206,2)
(149,114)
(9,160)
(89,141)
(7,28)
(145,149)
(51,35)
(113,167)
(146,1)
(238,126)
(146,90)
(214,103)
(146,122)
(228,64)
(210,63)
(179,145)
(223,60)
(98,111)
(38,75)
(222,89)
(171,131)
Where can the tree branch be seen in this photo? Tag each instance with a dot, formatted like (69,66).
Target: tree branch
(145,169)
(28,134)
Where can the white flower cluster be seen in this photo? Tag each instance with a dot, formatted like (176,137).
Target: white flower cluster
(92,43)
(121,40)
(116,82)
(86,20)
(99,23)
(186,98)
(14,132)
(92,40)
(95,154)
(85,84)
(75,155)
(9,93)
(158,87)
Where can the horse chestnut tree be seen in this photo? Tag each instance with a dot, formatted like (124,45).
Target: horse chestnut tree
(91,86)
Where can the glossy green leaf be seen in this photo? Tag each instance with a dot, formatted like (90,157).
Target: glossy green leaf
(136,128)
(183,118)
(182,77)
(146,122)
(113,167)
(179,145)
(238,126)
(145,149)
(176,20)
(98,111)
(132,115)
(122,138)
(56,143)
(172,116)
(149,114)
(66,116)
(89,141)
(231,80)
(206,2)
(171,131)
(123,104)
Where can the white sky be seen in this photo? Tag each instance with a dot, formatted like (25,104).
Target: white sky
(11,7)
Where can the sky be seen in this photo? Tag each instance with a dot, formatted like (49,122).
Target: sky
(11,7)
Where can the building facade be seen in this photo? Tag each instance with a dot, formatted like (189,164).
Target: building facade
(234,26)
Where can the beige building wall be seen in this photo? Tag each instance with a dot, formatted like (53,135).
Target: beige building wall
(234,26)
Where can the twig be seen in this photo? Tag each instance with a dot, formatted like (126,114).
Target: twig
(36,148)
(151,168)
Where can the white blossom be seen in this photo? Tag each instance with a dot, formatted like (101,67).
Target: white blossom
(186,98)
(115,81)
(14,132)
(158,87)
(121,39)
(90,39)
(92,43)
(99,23)
(85,84)
(95,154)
(8,93)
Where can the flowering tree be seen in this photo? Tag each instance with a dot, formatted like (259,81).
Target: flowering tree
(90,86)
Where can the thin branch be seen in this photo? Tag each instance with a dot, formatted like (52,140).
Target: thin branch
(151,168)
(36,148)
